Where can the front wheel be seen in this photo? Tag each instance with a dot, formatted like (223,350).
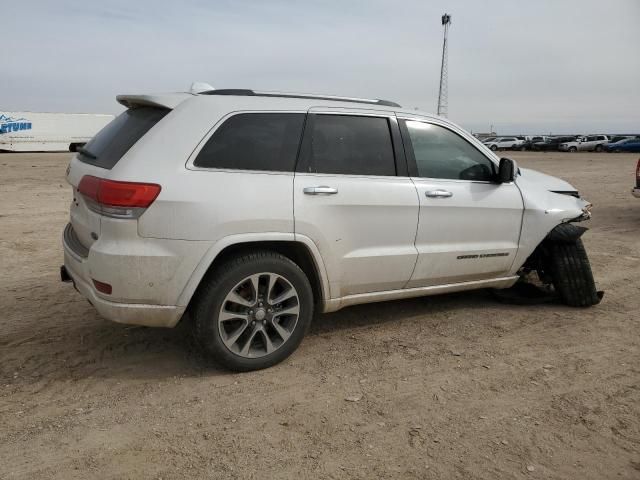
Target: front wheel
(571,274)
(253,311)
(573,149)
(494,147)
(598,148)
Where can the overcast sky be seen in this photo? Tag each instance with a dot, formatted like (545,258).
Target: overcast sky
(546,66)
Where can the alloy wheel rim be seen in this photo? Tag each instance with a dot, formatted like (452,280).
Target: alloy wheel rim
(259,314)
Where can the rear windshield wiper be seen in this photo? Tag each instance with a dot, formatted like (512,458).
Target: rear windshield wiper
(87,153)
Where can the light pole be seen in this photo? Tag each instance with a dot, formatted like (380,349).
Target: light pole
(443,92)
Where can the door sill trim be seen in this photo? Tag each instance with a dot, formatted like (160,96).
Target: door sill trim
(337,303)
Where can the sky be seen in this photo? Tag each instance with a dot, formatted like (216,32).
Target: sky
(549,66)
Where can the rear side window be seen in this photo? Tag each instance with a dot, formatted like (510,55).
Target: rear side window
(254,141)
(350,145)
(113,141)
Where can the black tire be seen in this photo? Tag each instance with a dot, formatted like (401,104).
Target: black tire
(573,149)
(523,148)
(571,274)
(598,148)
(494,147)
(220,282)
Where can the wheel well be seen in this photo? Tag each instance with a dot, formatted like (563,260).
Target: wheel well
(297,252)
(562,233)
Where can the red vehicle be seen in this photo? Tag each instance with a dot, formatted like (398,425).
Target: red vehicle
(636,189)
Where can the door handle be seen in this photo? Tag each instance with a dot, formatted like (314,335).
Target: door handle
(438,194)
(322,190)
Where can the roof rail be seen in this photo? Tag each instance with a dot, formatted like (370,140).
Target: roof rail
(241,92)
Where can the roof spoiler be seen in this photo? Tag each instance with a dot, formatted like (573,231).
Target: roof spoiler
(165,100)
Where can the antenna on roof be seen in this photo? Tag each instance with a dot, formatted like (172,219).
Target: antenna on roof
(199,87)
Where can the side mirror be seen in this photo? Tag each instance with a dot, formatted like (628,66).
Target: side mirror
(507,171)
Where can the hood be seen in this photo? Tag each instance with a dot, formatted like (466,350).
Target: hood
(542,180)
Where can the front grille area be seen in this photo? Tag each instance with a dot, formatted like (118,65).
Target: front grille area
(72,241)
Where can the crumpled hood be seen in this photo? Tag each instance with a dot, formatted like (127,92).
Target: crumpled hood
(542,180)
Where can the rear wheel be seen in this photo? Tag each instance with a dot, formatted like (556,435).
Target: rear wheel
(573,149)
(494,147)
(253,311)
(598,148)
(570,272)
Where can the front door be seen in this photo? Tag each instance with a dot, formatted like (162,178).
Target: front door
(353,198)
(469,225)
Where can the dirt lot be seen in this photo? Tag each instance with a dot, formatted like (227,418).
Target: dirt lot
(456,386)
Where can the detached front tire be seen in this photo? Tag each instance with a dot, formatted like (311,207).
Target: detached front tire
(253,311)
(571,274)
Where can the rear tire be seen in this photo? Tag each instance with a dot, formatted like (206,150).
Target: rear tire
(571,274)
(573,149)
(231,288)
(598,148)
(494,147)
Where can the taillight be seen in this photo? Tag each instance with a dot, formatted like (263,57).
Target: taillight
(117,199)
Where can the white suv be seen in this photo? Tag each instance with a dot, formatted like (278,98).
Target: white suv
(590,143)
(246,211)
(505,143)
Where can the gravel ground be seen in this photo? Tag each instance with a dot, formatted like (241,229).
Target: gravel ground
(456,386)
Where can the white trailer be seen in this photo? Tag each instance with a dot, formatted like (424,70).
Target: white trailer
(48,132)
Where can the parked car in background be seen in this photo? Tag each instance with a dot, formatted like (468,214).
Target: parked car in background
(617,138)
(636,189)
(504,143)
(552,143)
(628,145)
(528,143)
(590,143)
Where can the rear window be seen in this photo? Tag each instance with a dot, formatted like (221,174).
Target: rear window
(254,141)
(113,141)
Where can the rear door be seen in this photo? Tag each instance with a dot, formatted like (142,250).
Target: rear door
(588,143)
(469,226)
(353,198)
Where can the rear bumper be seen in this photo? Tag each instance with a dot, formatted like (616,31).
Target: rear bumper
(636,192)
(77,269)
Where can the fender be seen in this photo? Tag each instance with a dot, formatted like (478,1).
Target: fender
(220,245)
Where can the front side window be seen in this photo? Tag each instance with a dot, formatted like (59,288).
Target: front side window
(441,153)
(350,145)
(254,141)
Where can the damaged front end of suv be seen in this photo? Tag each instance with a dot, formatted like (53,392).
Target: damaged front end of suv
(556,267)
